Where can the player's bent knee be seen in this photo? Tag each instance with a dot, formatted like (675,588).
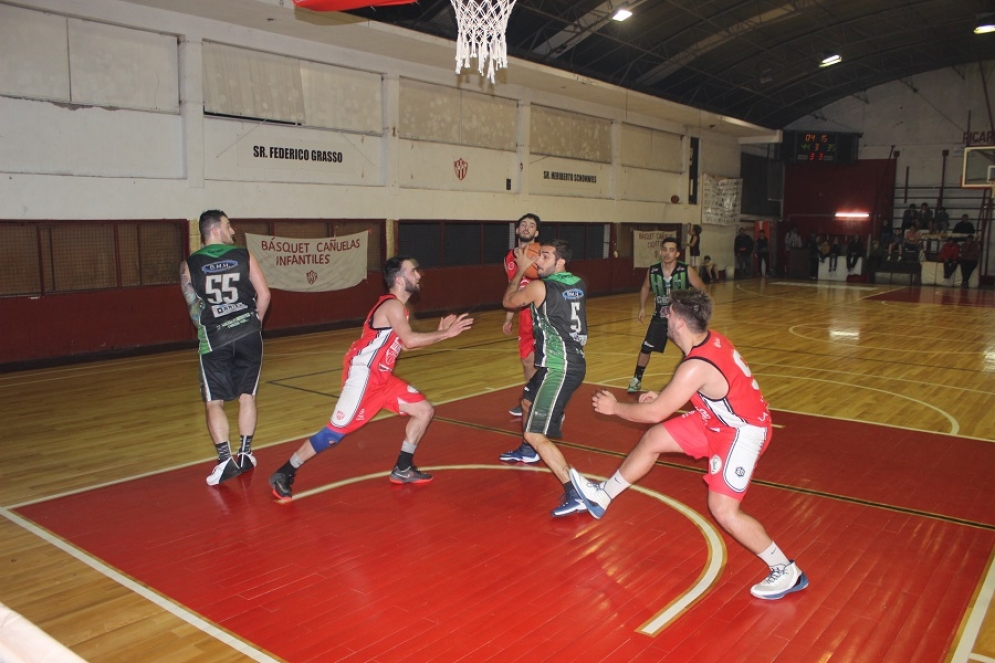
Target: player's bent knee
(324,439)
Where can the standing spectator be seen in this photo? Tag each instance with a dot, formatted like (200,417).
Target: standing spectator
(814,257)
(875,259)
(909,216)
(950,255)
(227,297)
(694,245)
(926,218)
(941,222)
(743,247)
(854,251)
(763,254)
(970,253)
(792,240)
(964,226)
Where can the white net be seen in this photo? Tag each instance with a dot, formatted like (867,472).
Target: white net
(482,25)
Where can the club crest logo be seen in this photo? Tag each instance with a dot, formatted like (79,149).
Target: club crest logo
(715,465)
(459,168)
(312,276)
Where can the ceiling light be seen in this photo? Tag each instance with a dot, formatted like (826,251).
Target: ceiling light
(852,215)
(830,60)
(986,24)
(622,13)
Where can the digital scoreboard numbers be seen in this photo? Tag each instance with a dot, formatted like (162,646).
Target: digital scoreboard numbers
(816,147)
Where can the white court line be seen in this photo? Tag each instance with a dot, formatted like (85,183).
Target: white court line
(157,599)
(713,540)
(954,424)
(975,618)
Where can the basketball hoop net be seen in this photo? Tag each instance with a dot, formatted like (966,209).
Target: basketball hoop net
(482,25)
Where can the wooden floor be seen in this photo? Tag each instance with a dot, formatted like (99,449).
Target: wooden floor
(880,480)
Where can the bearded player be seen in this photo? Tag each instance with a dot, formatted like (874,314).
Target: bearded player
(526,233)
(369,384)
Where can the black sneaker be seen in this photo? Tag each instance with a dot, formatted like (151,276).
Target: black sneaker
(281,484)
(246,461)
(223,471)
(571,503)
(410,475)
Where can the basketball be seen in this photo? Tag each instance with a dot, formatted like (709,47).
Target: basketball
(675,199)
(532,251)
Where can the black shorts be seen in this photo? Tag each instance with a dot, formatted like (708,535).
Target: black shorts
(656,335)
(232,370)
(548,391)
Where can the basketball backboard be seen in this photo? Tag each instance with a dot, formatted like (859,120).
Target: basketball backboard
(979,167)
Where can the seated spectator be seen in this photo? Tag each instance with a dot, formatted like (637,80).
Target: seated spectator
(964,226)
(970,253)
(708,272)
(941,222)
(910,243)
(950,255)
(854,252)
(824,248)
(910,216)
(926,218)
(835,251)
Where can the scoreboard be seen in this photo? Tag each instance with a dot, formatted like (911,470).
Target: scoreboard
(819,147)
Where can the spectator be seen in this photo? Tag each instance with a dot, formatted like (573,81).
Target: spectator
(814,257)
(941,222)
(910,243)
(743,247)
(854,251)
(763,254)
(910,216)
(970,253)
(835,251)
(964,226)
(694,244)
(708,272)
(824,249)
(950,255)
(926,218)
(876,258)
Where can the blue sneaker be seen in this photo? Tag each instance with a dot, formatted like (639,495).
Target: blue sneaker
(783,580)
(523,454)
(570,505)
(592,494)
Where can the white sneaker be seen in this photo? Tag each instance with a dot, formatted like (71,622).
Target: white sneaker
(783,580)
(634,385)
(223,472)
(592,494)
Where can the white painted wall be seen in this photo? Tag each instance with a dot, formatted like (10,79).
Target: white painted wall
(138,144)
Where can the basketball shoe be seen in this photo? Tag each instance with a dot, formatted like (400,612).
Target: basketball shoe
(782,581)
(523,454)
(592,494)
(281,484)
(410,475)
(223,471)
(246,461)
(635,384)
(570,504)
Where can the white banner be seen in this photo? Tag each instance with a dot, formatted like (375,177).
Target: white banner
(646,246)
(310,265)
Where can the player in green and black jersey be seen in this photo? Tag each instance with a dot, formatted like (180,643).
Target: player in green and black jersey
(558,300)
(227,298)
(663,277)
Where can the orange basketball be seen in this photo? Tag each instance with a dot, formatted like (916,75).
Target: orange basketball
(532,251)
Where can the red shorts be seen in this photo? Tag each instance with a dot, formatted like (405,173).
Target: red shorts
(732,452)
(365,393)
(526,339)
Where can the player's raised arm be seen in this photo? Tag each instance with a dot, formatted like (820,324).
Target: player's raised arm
(396,318)
(689,378)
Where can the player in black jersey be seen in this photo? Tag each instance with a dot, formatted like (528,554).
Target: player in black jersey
(663,277)
(558,301)
(227,297)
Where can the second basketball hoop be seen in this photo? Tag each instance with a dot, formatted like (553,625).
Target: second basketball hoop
(481,34)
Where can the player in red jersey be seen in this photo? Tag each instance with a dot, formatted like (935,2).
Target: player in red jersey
(526,233)
(369,384)
(730,424)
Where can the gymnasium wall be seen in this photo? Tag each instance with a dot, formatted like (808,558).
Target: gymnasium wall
(116,111)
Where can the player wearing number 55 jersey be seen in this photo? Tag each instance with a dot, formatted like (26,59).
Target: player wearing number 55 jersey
(227,298)
(730,425)
(558,301)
